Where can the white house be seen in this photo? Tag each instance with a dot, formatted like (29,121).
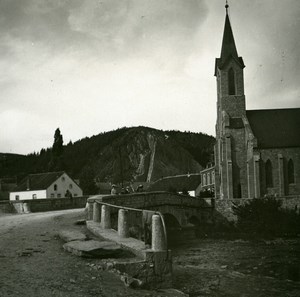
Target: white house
(46,185)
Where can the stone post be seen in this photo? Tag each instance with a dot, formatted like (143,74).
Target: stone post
(96,212)
(26,208)
(89,211)
(123,225)
(158,236)
(105,217)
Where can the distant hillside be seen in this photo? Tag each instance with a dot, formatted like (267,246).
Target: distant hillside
(13,164)
(138,153)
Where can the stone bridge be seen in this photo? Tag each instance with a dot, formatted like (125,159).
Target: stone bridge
(180,214)
(177,209)
(146,224)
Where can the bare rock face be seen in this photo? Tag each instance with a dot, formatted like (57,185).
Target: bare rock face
(144,155)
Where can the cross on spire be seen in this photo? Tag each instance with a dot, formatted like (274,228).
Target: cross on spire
(226,6)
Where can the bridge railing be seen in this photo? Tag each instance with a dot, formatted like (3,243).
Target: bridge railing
(100,211)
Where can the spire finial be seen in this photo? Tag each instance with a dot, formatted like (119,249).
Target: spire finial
(226,6)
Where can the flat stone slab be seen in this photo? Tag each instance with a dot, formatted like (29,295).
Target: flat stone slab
(95,249)
(131,244)
(68,235)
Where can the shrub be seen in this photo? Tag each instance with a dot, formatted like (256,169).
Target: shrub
(266,217)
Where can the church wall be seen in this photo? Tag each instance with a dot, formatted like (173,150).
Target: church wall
(239,172)
(239,79)
(279,173)
(230,160)
(250,171)
(234,105)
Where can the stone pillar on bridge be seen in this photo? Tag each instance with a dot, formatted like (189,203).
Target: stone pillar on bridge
(158,234)
(96,212)
(89,211)
(123,225)
(105,217)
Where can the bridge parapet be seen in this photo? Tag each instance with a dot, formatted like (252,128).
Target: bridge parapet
(150,199)
(156,270)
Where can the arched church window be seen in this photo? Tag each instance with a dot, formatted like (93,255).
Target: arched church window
(269,174)
(291,176)
(231,82)
(55,187)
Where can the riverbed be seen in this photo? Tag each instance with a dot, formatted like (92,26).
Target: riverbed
(215,267)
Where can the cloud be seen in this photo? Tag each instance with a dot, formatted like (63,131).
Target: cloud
(89,66)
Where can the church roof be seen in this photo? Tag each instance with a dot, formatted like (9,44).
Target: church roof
(228,44)
(39,181)
(275,128)
(228,50)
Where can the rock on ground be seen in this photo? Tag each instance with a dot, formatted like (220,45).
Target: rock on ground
(94,249)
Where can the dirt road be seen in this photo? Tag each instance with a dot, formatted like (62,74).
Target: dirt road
(33,262)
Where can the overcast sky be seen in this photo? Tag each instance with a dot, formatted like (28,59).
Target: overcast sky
(89,66)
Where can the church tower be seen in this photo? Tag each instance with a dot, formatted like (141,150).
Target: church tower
(230,156)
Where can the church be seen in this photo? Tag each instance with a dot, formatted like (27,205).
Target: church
(257,152)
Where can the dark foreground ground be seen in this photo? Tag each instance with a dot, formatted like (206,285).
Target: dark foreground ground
(33,263)
(213,267)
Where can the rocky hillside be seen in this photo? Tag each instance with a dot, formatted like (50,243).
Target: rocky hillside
(126,154)
(143,154)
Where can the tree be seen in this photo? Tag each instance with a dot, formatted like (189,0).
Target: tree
(57,148)
(57,162)
(87,181)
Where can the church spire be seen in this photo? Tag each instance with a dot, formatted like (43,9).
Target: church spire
(228,50)
(228,44)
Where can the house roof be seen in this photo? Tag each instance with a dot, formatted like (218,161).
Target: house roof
(275,128)
(188,182)
(39,181)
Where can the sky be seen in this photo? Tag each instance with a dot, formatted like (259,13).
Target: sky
(90,66)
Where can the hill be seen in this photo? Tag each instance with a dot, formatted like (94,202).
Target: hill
(125,154)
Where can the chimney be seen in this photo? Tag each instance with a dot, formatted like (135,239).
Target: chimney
(28,183)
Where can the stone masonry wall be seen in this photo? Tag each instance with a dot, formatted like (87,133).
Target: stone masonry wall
(6,207)
(272,155)
(223,208)
(148,199)
(38,205)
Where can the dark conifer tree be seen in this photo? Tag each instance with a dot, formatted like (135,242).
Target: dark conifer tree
(57,162)
(57,148)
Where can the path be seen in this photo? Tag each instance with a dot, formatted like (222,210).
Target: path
(33,263)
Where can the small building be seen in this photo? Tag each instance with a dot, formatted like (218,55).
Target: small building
(46,185)
(208,181)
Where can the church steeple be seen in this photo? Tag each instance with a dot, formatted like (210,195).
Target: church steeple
(228,44)
(228,49)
